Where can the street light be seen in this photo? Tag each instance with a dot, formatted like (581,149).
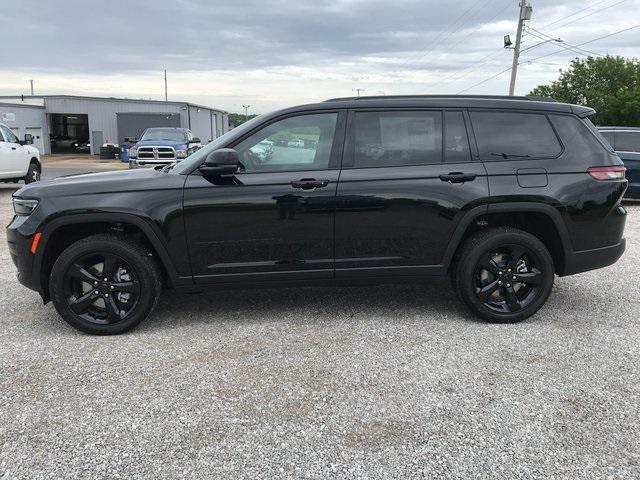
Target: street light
(246,112)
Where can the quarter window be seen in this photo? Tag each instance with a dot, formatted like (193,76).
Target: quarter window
(506,135)
(628,141)
(296,143)
(385,139)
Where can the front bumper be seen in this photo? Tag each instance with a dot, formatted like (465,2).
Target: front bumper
(23,259)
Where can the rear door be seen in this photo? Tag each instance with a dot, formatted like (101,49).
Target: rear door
(407,178)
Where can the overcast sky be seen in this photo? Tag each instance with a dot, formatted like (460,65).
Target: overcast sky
(275,53)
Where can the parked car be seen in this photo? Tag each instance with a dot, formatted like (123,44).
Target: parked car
(626,142)
(63,142)
(162,146)
(499,193)
(82,147)
(18,159)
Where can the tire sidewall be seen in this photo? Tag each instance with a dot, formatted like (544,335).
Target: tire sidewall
(149,288)
(29,177)
(466,274)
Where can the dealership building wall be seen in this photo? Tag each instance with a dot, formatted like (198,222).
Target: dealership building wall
(23,118)
(102,115)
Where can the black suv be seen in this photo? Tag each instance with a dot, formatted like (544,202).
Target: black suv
(500,193)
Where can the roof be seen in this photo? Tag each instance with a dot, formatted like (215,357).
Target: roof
(450,101)
(110,99)
(19,105)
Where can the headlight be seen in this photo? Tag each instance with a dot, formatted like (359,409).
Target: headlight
(133,152)
(24,206)
(181,153)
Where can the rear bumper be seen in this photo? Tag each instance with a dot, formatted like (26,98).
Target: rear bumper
(577,262)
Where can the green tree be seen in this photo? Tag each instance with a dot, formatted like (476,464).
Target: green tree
(609,84)
(237,119)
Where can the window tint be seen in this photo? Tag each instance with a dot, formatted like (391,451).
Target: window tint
(456,143)
(628,141)
(384,139)
(9,136)
(576,135)
(295,143)
(501,134)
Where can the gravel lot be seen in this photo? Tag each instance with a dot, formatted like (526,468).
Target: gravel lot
(384,382)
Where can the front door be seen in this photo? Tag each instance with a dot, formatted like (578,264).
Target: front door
(274,219)
(408,177)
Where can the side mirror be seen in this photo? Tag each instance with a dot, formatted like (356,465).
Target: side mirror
(220,162)
(28,139)
(194,140)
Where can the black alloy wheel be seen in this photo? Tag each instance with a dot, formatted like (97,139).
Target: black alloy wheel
(105,284)
(503,274)
(508,280)
(101,288)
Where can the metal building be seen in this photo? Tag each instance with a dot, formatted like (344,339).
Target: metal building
(68,118)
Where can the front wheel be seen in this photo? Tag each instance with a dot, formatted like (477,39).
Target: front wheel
(33,174)
(104,284)
(503,274)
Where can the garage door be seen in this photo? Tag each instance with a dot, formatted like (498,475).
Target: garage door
(38,141)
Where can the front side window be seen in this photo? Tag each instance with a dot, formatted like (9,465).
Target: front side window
(387,139)
(507,135)
(628,141)
(9,136)
(295,143)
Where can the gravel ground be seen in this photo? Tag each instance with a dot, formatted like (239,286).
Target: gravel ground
(384,382)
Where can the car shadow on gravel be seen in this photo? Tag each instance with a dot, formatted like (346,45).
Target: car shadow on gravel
(397,303)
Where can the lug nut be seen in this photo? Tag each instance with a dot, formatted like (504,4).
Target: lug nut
(96,292)
(499,283)
(514,277)
(95,283)
(112,287)
(508,285)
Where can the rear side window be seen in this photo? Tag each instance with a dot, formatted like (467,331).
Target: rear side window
(507,135)
(456,144)
(386,139)
(628,141)
(577,135)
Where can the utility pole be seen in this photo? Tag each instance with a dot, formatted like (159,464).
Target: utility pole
(525,14)
(31,83)
(165,86)
(357,90)
(246,112)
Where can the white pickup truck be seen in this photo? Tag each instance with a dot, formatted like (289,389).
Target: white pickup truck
(19,160)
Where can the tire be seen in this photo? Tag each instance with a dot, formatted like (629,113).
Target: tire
(117,299)
(487,264)
(33,174)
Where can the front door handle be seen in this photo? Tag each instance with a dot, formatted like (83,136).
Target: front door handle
(458,177)
(309,183)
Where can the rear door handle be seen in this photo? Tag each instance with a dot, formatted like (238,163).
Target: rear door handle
(458,177)
(309,183)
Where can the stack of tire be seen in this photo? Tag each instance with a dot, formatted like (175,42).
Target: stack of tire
(108,151)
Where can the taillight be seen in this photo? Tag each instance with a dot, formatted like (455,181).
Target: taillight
(607,173)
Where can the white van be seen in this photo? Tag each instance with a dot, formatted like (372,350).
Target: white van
(18,159)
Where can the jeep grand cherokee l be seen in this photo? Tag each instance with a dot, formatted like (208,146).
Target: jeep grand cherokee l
(499,193)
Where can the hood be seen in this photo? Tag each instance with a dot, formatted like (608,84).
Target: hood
(160,143)
(102,183)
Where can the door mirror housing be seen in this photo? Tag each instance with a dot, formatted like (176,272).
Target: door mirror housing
(220,162)
(28,139)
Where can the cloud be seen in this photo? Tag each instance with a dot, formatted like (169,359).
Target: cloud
(277,52)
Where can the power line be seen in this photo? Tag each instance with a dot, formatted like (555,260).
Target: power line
(564,45)
(588,15)
(574,13)
(484,81)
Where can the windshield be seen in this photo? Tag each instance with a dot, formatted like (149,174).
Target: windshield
(196,158)
(163,134)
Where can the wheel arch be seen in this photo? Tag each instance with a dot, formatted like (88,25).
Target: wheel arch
(62,232)
(539,219)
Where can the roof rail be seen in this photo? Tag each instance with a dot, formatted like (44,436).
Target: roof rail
(535,98)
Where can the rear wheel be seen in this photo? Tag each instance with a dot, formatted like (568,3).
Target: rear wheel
(33,174)
(503,274)
(105,284)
